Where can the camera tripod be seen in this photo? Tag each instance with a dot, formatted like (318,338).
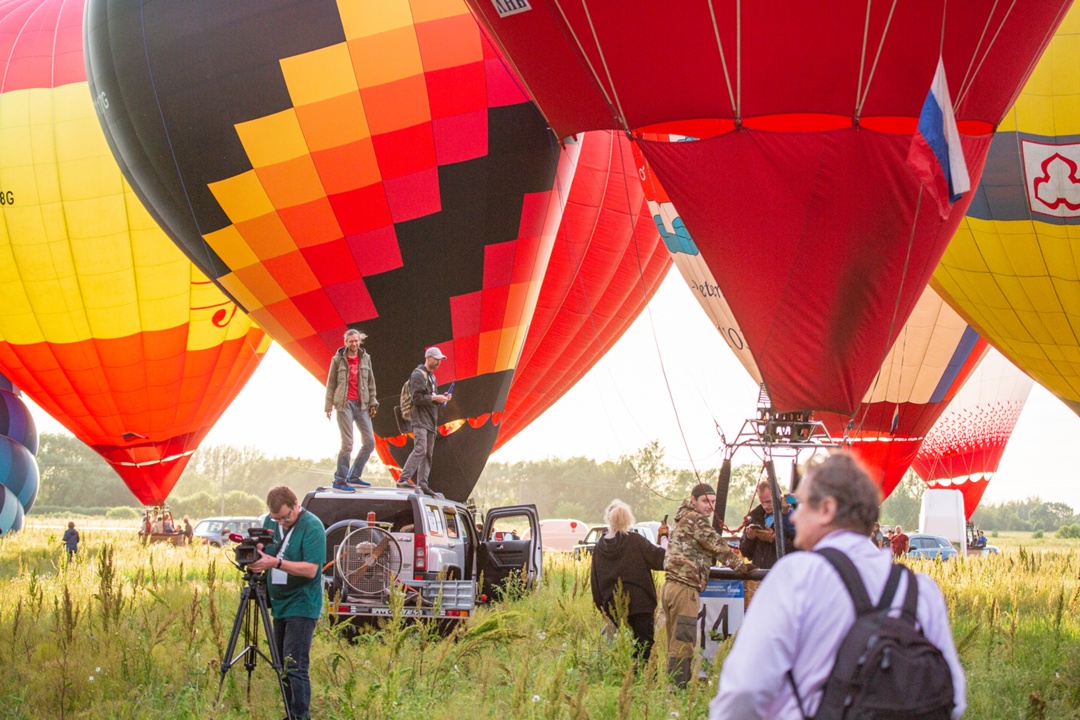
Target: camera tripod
(254,607)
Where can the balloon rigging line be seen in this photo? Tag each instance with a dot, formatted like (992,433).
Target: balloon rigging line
(735,109)
(613,106)
(971,73)
(641,276)
(864,91)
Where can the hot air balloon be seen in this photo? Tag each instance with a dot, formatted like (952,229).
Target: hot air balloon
(11,512)
(103,322)
(799,194)
(965,445)
(934,354)
(333,165)
(1013,268)
(607,263)
(16,422)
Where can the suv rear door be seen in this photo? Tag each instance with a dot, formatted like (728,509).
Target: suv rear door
(501,556)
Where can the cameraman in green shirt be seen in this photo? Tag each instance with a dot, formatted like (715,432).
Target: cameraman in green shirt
(294,560)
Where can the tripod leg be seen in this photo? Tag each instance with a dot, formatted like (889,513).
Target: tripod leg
(238,623)
(276,661)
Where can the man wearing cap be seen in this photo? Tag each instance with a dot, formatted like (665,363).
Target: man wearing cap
(350,392)
(692,547)
(425,421)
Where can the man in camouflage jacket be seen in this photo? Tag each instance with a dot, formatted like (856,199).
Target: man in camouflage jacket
(693,546)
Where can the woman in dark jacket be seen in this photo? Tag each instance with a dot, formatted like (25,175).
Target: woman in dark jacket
(627,558)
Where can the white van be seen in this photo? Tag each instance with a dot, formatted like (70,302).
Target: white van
(942,514)
(561,535)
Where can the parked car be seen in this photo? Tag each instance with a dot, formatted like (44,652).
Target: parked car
(381,539)
(923,545)
(586,545)
(215,531)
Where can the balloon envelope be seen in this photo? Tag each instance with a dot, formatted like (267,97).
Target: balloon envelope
(11,512)
(16,422)
(607,263)
(799,195)
(934,354)
(103,322)
(1013,268)
(964,447)
(370,164)
(19,472)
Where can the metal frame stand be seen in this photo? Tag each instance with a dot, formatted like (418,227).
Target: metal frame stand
(254,607)
(776,434)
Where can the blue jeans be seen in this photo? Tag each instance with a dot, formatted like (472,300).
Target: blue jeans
(292,635)
(353,413)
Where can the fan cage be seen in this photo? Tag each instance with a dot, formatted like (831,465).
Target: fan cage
(368,561)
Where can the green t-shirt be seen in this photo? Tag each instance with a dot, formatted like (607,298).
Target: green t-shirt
(301,596)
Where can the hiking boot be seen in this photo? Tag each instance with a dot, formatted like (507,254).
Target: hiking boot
(357,482)
(342,487)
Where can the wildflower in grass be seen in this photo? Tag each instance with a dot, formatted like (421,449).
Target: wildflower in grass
(536,698)
(541,636)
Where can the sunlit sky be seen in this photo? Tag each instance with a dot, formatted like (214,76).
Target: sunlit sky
(670,378)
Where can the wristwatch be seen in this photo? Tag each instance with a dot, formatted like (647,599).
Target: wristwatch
(279,563)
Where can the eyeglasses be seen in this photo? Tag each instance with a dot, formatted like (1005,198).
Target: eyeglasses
(283,517)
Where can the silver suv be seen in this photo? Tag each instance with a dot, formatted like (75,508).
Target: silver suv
(380,539)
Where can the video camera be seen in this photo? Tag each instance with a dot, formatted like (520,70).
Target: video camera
(246,550)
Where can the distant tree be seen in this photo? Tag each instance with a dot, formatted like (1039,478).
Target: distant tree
(238,502)
(572,510)
(73,475)
(201,504)
(904,503)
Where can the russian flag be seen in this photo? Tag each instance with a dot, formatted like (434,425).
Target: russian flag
(935,154)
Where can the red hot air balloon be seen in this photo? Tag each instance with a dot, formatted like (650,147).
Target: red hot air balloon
(964,447)
(934,354)
(103,322)
(607,263)
(799,193)
(369,165)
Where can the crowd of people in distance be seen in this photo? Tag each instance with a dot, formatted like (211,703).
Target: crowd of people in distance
(162,525)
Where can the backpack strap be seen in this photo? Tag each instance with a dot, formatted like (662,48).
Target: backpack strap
(911,598)
(852,580)
(891,584)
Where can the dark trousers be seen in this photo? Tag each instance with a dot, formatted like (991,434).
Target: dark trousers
(293,638)
(641,624)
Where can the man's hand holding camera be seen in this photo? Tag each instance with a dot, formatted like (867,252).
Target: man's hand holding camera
(266,562)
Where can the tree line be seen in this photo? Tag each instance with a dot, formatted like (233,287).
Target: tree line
(225,479)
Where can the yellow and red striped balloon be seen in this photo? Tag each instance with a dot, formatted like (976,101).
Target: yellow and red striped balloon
(103,321)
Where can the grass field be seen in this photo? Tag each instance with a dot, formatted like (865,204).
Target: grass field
(134,632)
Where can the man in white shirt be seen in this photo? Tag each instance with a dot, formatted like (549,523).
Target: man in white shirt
(802,611)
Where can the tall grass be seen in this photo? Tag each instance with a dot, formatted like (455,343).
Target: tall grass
(128,631)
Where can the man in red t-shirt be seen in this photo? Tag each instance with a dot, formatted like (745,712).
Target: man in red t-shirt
(900,542)
(350,392)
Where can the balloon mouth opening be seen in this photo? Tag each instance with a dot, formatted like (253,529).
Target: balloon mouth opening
(704,128)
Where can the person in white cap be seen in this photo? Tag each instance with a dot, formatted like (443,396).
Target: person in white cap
(425,421)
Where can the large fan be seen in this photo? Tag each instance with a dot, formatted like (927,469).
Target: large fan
(368,561)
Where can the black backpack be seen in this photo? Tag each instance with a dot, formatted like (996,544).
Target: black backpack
(885,667)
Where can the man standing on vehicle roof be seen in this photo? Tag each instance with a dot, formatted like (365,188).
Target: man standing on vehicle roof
(425,421)
(294,558)
(350,392)
(691,549)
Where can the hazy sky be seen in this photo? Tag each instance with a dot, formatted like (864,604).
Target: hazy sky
(625,402)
